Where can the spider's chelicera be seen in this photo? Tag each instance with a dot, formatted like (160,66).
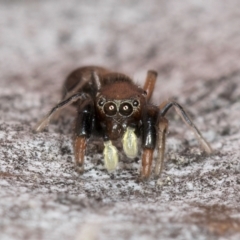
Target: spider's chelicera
(109,105)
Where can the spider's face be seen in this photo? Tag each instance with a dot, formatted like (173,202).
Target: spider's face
(118,106)
(116,115)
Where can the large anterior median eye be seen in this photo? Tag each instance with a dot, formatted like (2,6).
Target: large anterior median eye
(126,109)
(110,108)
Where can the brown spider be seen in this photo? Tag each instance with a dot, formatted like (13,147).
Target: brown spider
(111,106)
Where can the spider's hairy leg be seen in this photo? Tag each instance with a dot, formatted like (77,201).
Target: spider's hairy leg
(110,156)
(79,151)
(162,132)
(165,106)
(45,121)
(83,130)
(149,137)
(147,157)
(150,83)
(130,143)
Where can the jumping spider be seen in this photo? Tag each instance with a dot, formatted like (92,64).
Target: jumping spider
(111,106)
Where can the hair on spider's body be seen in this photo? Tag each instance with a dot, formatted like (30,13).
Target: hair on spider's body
(111,106)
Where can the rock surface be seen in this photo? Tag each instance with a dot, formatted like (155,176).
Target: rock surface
(194,46)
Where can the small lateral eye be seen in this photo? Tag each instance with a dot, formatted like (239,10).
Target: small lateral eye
(110,109)
(126,109)
(135,103)
(101,102)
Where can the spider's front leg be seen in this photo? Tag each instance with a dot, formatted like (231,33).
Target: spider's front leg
(149,138)
(83,130)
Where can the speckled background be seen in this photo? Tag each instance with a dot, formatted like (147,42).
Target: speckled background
(194,46)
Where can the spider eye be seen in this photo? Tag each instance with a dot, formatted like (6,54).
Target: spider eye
(135,103)
(110,109)
(101,102)
(126,109)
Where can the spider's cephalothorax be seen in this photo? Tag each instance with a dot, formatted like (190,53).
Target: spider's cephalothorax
(111,106)
(118,106)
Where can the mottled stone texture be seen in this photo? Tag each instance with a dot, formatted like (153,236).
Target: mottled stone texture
(195,48)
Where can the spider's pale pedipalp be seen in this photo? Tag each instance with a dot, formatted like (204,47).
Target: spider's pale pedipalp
(130,143)
(110,153)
